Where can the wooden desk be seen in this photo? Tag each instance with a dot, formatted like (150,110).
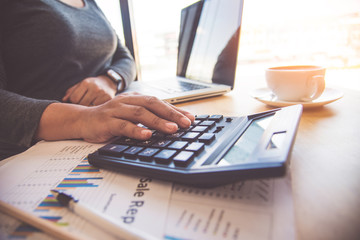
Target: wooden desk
(325,162)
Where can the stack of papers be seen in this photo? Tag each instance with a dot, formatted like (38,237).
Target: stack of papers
(255,209)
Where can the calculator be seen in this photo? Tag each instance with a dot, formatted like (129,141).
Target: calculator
(215,150)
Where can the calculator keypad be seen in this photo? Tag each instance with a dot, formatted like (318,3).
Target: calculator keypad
(180,148)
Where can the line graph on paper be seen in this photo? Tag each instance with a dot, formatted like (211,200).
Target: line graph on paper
(235,211)
(249,192)
(199,221)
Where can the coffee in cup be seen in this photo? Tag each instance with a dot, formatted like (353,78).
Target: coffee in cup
(296,83)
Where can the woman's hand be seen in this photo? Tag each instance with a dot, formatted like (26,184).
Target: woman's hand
(91,91)
(120,117)
(117,117)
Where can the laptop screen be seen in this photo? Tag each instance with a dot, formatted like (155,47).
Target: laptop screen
(213,48)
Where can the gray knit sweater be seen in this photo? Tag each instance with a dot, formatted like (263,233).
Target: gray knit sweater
(47,46)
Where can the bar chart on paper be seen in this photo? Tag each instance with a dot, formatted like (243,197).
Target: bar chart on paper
(66,168)
(243,210)
(83,177)
(32,186)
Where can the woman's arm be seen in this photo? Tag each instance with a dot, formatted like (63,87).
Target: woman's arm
(19,118)
(99,89)
(117,117)
(124,64)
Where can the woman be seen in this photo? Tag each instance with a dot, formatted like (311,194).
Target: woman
(56,60)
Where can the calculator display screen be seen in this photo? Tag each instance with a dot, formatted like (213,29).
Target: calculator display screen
(245,145)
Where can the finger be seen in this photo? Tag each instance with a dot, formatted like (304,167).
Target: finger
(77,94)
(159,108)
(167,111)
(66,97)
(140,114)
(186,113)
(130,93)
(88,97)
(122,127)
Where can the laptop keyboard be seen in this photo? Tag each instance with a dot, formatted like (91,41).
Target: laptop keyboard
(180,86)
(170,150)
(185,86)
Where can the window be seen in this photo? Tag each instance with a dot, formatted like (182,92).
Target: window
(157,28)
(111,9)
(288,32)
(273,33)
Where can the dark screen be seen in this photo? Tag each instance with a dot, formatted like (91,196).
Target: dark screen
(214,50)
(246,144)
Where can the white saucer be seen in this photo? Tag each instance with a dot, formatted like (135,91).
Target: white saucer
(265,95)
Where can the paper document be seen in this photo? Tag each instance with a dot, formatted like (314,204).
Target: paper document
(257,209)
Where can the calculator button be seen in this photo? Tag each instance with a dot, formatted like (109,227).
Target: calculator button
(126,141)
(146,143)
(178,145)
(228,119)
(141,125)
(200,129)
(158,135)
(162,143)
(112,150)
(164,156)
(207,138)
(175,136)
(201,117)
(190,136)
(132,151)
(183,158)
(208,123)
(148,153)
(218,129)
(196,122)
(195,147)
(216,118)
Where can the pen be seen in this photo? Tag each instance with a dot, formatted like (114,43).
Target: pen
(35,221)
(104,222)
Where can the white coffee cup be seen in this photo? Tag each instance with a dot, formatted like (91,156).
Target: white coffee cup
(296,83)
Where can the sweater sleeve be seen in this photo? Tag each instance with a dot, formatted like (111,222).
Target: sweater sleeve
(124,64)
(20,116)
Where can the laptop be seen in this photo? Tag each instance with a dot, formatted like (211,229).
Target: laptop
(207,53)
